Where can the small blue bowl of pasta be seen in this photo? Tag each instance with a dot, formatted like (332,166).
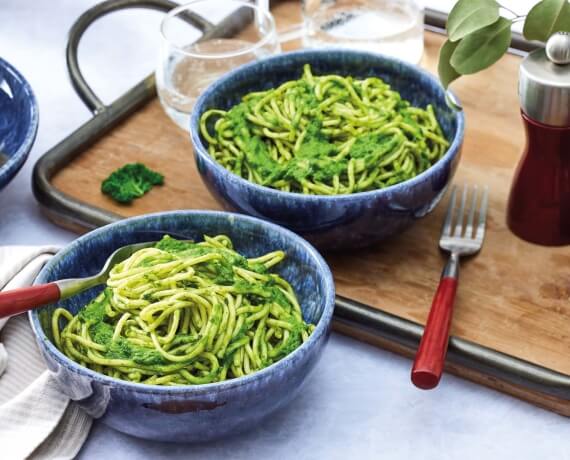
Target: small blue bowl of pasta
(18,121)
(201,412)
(341,219)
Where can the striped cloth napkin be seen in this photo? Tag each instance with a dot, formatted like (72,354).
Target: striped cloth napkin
(37,421)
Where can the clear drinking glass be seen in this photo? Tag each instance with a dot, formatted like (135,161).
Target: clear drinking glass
(392,27)
(188,66)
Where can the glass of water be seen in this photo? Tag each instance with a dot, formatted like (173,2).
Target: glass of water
(392,27)
(189,63)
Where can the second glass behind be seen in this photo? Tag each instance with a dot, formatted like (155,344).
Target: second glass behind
(188,65)
(391,27)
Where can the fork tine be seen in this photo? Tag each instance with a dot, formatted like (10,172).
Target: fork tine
(480,234)
(446,230)
(460,214)
(471,216)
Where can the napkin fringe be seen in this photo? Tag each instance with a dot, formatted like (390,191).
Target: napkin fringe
(37,420)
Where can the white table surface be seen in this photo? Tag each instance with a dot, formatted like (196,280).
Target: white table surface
(359,402)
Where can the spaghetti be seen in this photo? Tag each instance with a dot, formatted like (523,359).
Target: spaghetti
(183,313)
(325,135)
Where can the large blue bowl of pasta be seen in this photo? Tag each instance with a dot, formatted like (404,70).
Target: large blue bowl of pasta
(200,412)
(349,216)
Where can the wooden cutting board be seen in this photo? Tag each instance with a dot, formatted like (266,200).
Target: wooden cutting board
(513,297)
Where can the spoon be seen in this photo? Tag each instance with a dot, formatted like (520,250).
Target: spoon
(20,300)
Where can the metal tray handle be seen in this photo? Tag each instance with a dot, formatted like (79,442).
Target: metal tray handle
(84,91)
(228,27)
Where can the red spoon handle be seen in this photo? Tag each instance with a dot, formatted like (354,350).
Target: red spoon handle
(24,299)
(428,365)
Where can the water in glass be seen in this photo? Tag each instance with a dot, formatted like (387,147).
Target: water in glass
(392,27)
(188,65)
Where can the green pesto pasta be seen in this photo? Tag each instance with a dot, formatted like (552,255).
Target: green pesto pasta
(325,135)
(184,313)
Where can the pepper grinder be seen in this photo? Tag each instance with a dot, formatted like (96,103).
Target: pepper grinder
(539,201)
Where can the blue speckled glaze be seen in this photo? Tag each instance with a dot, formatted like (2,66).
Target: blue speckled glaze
(18,121)
(342,221)
(200,412)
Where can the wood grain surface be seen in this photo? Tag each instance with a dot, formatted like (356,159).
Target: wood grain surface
(513,297)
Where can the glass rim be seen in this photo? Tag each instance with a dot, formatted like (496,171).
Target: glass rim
(228,54)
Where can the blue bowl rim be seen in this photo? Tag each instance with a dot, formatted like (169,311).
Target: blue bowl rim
(17,159)
(320,329)
(200,149)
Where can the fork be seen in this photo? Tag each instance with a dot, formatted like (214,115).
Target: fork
(23,299)
(459,238)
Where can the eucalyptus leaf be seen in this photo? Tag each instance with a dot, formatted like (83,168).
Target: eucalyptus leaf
(467,16)
(546,18)
(444,69)
(482,48)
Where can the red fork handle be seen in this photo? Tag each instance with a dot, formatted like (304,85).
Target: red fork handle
(20,300)
(428,365)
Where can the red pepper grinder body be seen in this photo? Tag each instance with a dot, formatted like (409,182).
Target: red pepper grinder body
(539,202)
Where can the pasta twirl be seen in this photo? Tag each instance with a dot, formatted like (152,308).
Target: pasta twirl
(325,135)
(185,313)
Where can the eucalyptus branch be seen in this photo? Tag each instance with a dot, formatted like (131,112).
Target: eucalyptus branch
(516,15)
(478,35)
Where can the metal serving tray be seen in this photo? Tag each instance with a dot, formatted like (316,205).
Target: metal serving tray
(537,384)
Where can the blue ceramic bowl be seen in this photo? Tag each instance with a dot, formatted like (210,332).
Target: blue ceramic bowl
(338,221)
(200,412)
(18,121)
